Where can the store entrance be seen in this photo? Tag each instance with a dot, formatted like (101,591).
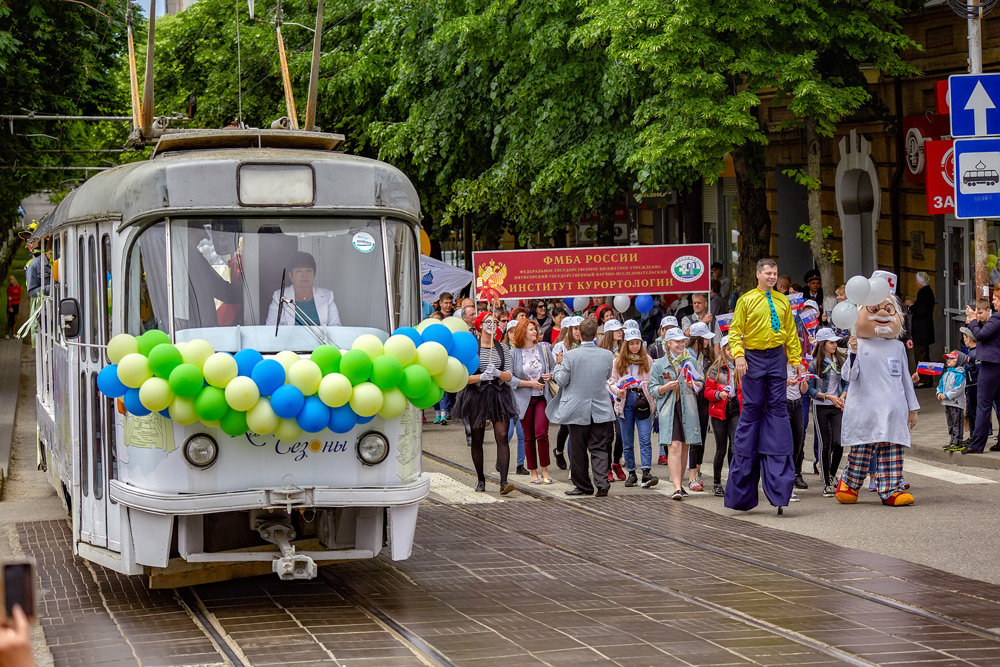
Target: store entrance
(958,278)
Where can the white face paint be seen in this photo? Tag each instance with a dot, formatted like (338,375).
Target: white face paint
(489,326)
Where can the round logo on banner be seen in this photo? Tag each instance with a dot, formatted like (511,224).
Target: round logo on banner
(915,151)
(687,269)
(947,166)
(363,242)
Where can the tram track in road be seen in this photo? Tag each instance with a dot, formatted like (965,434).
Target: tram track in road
(868,596)
(189,600)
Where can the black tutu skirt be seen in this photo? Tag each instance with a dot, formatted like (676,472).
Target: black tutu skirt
(486,401)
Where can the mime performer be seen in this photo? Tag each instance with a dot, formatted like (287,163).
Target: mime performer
(763,341)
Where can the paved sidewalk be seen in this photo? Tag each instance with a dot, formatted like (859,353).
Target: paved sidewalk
(10,371)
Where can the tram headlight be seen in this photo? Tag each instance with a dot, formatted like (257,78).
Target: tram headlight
(201,450)
(373,447)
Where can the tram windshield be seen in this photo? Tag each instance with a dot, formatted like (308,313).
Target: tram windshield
(226,280)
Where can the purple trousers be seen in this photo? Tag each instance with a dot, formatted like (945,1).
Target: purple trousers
(763,447)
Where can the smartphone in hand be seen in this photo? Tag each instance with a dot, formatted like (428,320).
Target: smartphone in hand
(18,582)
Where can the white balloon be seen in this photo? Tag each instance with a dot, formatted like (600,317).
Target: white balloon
(879,291)
(622,303)
(580,302)
(857,289)
(844,315)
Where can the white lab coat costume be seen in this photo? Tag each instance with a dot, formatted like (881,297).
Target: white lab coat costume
(325,307)
(880,396)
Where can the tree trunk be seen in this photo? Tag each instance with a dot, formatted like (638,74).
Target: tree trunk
(755,220)
(690,206)
(819,245)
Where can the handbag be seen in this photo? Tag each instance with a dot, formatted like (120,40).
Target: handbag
(642,409)
(551,386)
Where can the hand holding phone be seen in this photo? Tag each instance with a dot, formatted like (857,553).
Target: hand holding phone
(18,583)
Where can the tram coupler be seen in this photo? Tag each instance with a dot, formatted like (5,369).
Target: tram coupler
(290,565)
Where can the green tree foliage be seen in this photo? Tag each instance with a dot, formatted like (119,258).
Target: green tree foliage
(57,58)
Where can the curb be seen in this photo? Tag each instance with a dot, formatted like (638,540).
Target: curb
(10,369)
(987,459)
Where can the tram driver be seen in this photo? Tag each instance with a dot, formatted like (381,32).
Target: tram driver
(312,305)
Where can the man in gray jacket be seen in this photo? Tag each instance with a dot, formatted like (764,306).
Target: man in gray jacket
(583,403)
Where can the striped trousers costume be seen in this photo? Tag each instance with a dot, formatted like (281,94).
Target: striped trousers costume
(888,467)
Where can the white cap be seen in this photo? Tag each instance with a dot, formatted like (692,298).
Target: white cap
(669,321)
(633,334)
(725,341)
(809,303)
(826,334)
(674,334)
(700,329)
(572,321)
(511,324)
(889,278)
(612,325)
(631,324)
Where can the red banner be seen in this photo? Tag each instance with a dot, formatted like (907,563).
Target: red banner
(566,272)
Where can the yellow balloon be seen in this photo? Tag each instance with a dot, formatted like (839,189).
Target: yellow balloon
(219,369)
(455,324)
(196,352)
(305,375)
(369,344)
(210,424)
(393,404)
(133,370)
(287,429)
(433,357)
(367,399)
(455,376)
(286,358)
(335,390)
(121,345)
(426,323)
(242,393)
(182,411)
(402,347)
(261,418)
(155,394)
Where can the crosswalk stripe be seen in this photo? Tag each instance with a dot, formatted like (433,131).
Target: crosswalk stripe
(453,491)
(943,474)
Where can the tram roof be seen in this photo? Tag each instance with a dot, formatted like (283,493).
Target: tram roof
(197,173)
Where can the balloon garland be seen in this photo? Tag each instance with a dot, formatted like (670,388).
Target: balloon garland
(290,394)
(860,291)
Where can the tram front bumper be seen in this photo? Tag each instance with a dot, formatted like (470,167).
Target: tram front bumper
(184,504)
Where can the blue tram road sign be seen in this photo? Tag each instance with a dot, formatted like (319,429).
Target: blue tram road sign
(977,178)
(975,104)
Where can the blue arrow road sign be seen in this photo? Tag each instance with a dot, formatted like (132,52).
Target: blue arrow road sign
(975,104)
(977,178)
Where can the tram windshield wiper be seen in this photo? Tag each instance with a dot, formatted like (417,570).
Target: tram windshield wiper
(310,323)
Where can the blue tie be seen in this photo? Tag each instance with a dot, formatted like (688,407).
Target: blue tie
(775,322)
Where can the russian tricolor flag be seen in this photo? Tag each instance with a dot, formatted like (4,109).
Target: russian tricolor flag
(930,367)
(795,299)
(724,321)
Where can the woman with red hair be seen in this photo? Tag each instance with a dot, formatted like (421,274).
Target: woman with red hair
(488,398)
(532,363)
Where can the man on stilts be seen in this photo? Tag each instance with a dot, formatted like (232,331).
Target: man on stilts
(763,340)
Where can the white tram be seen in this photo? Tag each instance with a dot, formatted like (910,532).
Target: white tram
(193,242)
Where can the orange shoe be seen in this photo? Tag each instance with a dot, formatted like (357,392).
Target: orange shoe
(845,494)
(898,499)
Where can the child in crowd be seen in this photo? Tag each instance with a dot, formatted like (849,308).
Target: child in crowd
(827,391)
(657,350)
(569,338)
(672,383)
(702,348)
(971,378)
(793,399)
(725,401)
(613,340)
(951,394)
(633,404)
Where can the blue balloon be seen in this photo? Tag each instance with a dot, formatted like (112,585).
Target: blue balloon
(109,384)
(342,419)
(439,333)
(314,415)
(472,366)
(465,348)
(644,303)
(287,401)
(165,412)
(269,375)
(410,333)
(133,404)
(246,360)
(365,420)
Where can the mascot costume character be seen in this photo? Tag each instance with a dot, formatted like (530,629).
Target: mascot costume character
(881,405)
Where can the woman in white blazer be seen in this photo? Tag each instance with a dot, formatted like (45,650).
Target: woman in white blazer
(311,304)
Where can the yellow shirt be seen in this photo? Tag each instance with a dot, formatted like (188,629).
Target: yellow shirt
(751,326)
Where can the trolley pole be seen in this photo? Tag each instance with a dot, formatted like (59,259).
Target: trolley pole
(979,224)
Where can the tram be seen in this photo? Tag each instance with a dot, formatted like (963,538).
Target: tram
(194,242)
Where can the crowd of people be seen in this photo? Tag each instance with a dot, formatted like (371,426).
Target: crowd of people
(610,380)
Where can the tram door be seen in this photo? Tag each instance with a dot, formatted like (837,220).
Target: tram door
(94,416)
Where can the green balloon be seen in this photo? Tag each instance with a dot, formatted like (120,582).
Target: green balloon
(356,365)
(151,339)
(186,380)
(416,382)
(327,357)
(210,404)
(387,372)
(163,359)
(233,423)
(428,400)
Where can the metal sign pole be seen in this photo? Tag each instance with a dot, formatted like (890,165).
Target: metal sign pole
(979,224)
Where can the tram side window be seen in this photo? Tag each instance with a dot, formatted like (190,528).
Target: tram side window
(105,273)
(96,425)
(81,286)
(84,435)
(146,282)
(403,264)
(94,297)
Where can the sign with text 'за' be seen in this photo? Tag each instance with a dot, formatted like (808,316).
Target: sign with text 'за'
(566,272)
